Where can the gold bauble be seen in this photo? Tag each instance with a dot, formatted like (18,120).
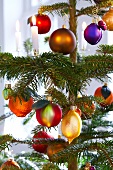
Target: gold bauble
(71,125)
(108,19)
(10,165)
(63,41)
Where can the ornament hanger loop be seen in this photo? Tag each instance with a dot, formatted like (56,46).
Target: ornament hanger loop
(95,14)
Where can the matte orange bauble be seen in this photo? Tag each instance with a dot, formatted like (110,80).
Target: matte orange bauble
(63,41)
(19,106)
(10,165)
(108,19)
(55,148)
(89,109)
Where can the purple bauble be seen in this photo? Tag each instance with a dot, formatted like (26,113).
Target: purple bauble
(92,168)
(92,34)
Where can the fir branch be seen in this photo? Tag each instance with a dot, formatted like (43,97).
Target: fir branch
(90,10)
(4,116)
(28,118)
(59,8)
(80,148)
(105,49)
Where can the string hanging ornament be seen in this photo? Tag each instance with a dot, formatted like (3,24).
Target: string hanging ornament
(93,32)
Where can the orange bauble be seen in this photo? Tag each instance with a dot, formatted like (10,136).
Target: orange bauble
(63,41)
(20,107)
(55,148)
(10,165)
(108,19)
(105,93)
(89,108)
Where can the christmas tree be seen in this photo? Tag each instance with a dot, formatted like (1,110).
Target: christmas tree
(64,74)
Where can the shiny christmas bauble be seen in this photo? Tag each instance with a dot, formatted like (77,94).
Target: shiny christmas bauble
(50,115)
(63,41)
(102,25)
(98,1)
(55,148)
(93,34)
(77,110)
(89,109)
(105,93)
(42,148)
(7,91)
(43,23)
(71,125)
(9,165)
(92,168)
(19,106)
(108,19)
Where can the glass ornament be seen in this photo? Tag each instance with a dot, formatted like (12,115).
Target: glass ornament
(108,19)
(71,125)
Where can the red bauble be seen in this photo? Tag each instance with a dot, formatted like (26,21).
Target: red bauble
(106,95)
(50,115)
(42,148)
(43,23)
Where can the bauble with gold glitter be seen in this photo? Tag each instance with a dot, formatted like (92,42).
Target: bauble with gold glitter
(62,41)
(71,125)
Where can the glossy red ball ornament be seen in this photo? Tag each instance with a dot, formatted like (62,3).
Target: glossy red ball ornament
(106,95)
(50,115)
(63,41)
(43,23)
(42,148)
(93,34)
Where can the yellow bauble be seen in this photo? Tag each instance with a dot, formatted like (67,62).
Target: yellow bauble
(71,125)
(108,19)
